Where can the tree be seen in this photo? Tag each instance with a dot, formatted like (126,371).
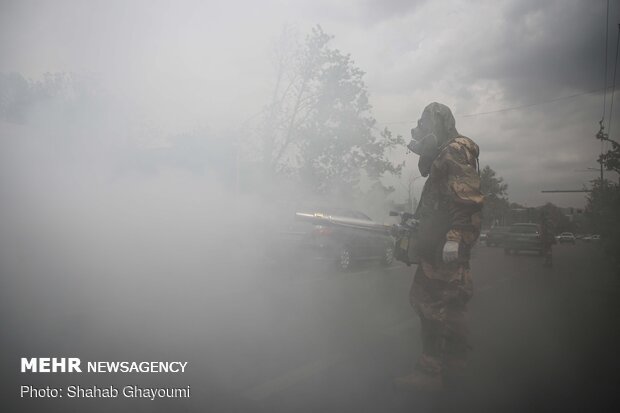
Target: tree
(496,205)
(16,97)
(20,99)
(603,211)
(319,127)
(375,202)
(603,206)
(611,158)
(558,219)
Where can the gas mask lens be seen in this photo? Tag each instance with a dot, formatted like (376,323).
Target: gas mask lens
(426,146)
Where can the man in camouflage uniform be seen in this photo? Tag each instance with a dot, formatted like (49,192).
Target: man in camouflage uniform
(449,214)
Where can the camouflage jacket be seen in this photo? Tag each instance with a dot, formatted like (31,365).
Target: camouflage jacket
(451,201)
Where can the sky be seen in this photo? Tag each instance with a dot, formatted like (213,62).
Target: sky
(180,65)
(104,255)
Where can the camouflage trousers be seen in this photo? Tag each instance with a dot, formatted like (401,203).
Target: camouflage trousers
(439,294)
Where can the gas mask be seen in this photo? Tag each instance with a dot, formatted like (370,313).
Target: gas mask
(426,145)
(435,128)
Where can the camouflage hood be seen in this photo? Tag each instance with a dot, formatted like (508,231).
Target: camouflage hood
(435,128)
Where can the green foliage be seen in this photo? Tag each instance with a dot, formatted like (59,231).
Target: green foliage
(16,97)
(498,210)
(320,127)
(556,218)
(603,209)
(496,206)
(611,158)
(559,221)
(62,94)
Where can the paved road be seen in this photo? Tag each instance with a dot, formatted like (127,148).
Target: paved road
(298,337)
(543,338)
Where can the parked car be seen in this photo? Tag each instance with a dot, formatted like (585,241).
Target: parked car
(483,236)
(342,238)
(344,245)
(568,237)
(592,238)
(496,235)
(523,237)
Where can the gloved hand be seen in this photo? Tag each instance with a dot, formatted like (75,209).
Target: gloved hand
(450,251)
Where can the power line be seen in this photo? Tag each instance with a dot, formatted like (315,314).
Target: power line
(605,65)
(613,91)
(532,104)
(468,115)
(605,85)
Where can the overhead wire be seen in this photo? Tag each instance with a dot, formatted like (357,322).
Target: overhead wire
(531,104)
(602,122)
(603,89)
(508,108)
(611,106)
(605,64)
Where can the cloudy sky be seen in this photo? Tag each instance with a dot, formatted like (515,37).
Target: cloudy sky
(189,64)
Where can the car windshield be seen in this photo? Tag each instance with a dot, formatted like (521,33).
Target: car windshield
(524,229)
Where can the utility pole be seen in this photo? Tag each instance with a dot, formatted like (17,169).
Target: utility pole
(602,136)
